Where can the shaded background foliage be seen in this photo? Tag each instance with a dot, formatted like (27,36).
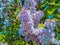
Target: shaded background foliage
(9,23)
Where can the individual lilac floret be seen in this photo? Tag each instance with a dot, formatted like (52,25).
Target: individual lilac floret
(41,14)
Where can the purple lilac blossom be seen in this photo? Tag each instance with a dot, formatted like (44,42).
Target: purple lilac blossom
(29,22)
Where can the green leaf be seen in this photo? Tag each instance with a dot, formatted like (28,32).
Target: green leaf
(53,1)
(50,11)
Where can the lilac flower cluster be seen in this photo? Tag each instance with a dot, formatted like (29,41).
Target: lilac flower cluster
(29,22)
(50,24)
